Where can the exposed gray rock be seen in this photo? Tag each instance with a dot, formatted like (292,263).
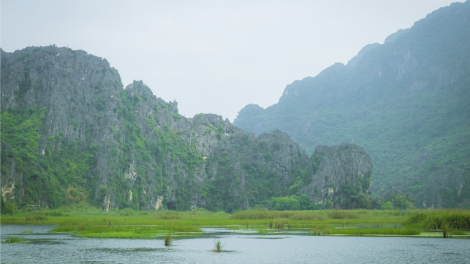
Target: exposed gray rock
(333,167)
(86,104)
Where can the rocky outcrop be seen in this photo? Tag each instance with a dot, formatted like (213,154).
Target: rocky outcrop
(116,148)
(335,167)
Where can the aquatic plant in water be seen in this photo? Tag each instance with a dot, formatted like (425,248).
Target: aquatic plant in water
(168,241)
(264,231)
(446,230)
(320,231)
(218,245)
(14,240)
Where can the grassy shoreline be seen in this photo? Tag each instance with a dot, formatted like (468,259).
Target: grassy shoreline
(157,224)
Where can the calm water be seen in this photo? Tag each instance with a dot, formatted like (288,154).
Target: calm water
(59,248)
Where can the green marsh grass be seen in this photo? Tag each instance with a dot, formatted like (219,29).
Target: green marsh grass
(14,240)
(320,231)
(279,224)
(340,214)
(129,223)
(459,232)
(35,218)
(264,231)
(440,219)
(92,230)
(377,231)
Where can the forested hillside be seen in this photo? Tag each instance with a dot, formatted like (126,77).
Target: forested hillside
(71,135)
(405,101)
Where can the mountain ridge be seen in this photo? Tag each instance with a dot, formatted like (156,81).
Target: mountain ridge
(72,135)
(404,101)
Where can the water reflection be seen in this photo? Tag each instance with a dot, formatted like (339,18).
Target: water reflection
(44,247)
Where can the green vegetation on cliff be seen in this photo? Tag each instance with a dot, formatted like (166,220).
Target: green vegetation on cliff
(405,102)
(72,136)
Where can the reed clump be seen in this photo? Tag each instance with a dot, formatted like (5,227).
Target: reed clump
(14,240)
(264,231)
(320,231)
(279,224)
(218,245)
(446,230)
(168,241)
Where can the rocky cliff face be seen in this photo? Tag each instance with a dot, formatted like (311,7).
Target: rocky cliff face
(336,168)
(71,134)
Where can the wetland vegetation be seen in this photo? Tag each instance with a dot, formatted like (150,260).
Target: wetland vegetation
(94,223)
(14,240)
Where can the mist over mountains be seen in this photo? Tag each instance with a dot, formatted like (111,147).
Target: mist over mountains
(405,101)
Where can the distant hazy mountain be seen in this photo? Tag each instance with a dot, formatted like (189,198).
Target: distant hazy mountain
(407,102)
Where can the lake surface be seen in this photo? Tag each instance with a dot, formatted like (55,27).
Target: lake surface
(45,247)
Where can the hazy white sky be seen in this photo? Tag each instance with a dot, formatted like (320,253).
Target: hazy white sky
(211,56)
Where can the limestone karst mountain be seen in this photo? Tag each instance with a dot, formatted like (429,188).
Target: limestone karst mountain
(72,134)
(405,101)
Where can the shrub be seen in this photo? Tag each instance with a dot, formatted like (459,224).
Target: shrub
(315,206)
(284,203)
(328,204)
(387,206)
(304,202)
(364,201)
(2,205)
